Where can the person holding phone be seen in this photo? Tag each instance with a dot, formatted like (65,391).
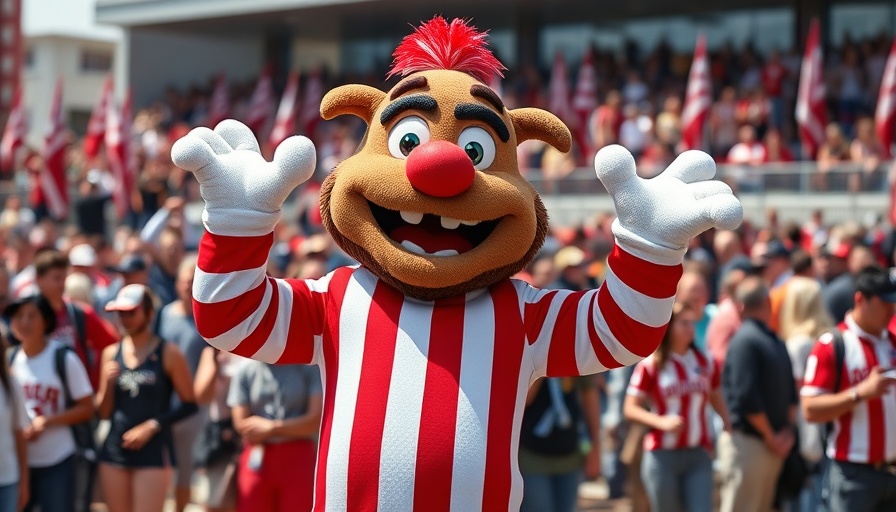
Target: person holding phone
(853,386)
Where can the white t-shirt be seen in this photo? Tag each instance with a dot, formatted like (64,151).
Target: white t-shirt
(44,396)
(12,417)
(799,347)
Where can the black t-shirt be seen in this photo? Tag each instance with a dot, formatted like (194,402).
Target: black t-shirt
(757,377)
(543,431)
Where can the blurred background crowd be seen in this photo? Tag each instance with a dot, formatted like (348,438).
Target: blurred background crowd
(98,234)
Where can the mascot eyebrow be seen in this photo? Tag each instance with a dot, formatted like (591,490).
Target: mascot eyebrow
(422,102)
(476,112)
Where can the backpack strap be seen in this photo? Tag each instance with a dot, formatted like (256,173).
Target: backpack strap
(79,319)
(59,357)
(839,357)
(11,354)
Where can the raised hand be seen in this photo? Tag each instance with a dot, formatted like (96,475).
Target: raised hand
(657,217)
(242,191)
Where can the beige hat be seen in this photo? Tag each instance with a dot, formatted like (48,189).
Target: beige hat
(570,256)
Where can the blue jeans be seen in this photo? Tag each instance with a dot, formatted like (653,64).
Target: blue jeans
(678,480)
(9,497)
(550,492)
(53,487)
(860,488)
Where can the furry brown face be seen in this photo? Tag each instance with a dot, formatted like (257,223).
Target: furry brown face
(434,203)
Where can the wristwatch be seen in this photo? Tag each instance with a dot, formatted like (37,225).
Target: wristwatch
(854,394)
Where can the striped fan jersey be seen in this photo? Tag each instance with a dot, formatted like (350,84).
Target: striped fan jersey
(867,433)
(681,387)
(423,400)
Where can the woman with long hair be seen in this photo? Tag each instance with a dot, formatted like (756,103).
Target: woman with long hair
(668,393)
(13,450)
(140,374)
(37,366)
(803,320)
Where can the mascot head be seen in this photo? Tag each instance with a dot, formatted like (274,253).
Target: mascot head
(433,202)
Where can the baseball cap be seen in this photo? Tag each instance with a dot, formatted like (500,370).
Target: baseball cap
(838,249)
(128,298)
(131,263)
(877,282)
(776,249)
(82,255)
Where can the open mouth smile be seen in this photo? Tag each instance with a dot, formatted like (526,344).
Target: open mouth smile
(429,234)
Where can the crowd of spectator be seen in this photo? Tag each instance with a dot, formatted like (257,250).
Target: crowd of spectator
(640,98)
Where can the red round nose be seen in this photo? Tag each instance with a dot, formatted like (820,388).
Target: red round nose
(440,169)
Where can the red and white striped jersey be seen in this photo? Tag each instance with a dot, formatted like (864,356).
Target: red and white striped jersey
(423,400)
(867,433)
(682,387)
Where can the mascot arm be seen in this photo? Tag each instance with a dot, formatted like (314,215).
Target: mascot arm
(624,320)
(237,307)
(618,324)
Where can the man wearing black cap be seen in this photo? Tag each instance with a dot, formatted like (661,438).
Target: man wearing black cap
(775,264)
(133,270)
(850,380)
(838,294)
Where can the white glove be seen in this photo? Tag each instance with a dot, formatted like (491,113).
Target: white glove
(243,192)
(656,218)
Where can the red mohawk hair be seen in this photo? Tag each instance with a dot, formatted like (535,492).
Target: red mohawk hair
(436,44)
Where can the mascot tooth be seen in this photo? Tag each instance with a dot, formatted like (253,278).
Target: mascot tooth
(427,348)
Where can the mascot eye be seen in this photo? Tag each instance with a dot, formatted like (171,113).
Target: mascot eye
(479,146)
(409,133)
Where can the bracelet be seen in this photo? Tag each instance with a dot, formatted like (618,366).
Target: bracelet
(854,394)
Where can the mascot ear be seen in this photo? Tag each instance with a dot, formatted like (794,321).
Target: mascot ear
(357,100)
(534,123)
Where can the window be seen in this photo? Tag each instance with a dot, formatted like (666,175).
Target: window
(96,60)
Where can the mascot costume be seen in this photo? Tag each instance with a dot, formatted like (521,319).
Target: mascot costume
(427,348)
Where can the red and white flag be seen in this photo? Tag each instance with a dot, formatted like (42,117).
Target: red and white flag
(885,114)
(261,105)
(285,124)
(53,182)
(584,102)
(96,127)
(811,115)
(697,100)
(558,91)
(14,134)
(219,108)
(314,93)
(118,150)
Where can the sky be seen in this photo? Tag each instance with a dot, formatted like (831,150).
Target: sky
(64,17)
